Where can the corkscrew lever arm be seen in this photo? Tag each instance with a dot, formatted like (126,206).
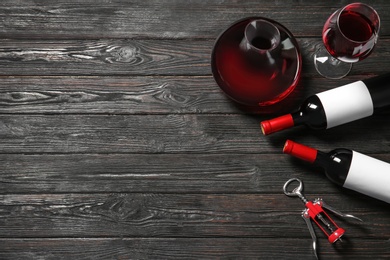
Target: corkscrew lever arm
(306,217)
(312,233)
(314,211)
(335,211)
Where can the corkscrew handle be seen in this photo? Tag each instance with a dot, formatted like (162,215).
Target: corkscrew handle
(296,192)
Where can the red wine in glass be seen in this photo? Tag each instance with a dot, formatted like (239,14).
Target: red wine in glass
(257,63)
(349,35)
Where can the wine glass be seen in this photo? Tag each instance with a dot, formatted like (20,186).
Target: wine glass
(349,35)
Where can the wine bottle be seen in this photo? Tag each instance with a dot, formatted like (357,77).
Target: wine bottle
(348,168)
(336,106)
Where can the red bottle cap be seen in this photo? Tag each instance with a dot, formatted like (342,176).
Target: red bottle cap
(276,124)
(300,151)
(336,235)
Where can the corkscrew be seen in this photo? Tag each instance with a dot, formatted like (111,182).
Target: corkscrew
(315,212)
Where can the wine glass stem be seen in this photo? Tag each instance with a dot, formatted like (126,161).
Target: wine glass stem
(334,61)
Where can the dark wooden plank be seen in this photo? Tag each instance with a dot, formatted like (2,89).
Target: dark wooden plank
(119,95)
(135,95)
(176,215)
(141,57)
(163,173)
(179,173)
(129,134)
(115,141)
(162,19)
(188,133)
(189,248)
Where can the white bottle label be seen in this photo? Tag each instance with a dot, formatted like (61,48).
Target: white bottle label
(369,176)
(346,103)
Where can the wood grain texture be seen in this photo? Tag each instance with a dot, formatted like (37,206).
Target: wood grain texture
(107,95)
(188,133)
(160,19)
(135,95)
(140,57)
(116,142)
(161,173)
(174,215)
(173,248)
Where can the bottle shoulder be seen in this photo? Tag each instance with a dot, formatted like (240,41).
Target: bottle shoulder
(311,113)
(336,164)
(339,155)
(340,152)
(379,88)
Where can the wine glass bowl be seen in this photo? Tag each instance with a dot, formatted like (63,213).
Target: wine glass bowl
(349,35)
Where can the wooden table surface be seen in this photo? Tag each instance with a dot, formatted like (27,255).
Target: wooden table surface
(116,142)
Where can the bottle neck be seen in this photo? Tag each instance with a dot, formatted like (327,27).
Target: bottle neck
(277,124)
(322,159)
(300,151)
(311,113)
(308,154)
(300,118)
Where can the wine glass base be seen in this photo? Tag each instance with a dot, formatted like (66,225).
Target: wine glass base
(330,67)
